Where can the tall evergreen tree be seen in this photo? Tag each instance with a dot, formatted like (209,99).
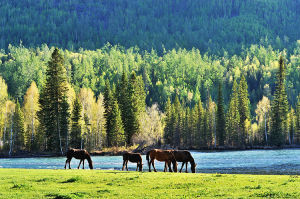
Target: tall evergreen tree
(51,101)
(177,125)
(279,108)
(18,129)
(233,118)
(64,122)
(221,123)
(168,135)
(108,105)
(200,124)
(124,102)
(137,99)
(244,109)
(75,135)
(117,135)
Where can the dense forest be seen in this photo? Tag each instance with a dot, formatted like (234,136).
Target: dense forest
(211,26)
(189,73)
(52,99)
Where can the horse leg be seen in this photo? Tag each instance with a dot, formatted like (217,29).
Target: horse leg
(153,165)
(83,164)
(170,168)
(186,169)
(127,165)
(66,163)
(166,167)
(70,163)
(123,165)
(181,167)
(79,164)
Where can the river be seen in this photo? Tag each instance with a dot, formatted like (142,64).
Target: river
(285,161)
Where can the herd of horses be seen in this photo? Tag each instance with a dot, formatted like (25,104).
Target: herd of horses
(170,157)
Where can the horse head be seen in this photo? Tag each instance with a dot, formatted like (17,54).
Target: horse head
(193,167)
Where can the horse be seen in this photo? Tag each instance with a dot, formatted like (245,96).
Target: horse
(184,157)
(161,155)
(81,154)
(133,157)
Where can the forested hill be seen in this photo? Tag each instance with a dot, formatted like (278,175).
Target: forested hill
(209,25)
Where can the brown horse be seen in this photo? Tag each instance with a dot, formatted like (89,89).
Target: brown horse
(132,157)
(166,156)
(81,154)
(184,157)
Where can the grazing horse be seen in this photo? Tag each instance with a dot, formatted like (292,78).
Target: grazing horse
(166,156)
(81,154)
(133,157)
(184,157)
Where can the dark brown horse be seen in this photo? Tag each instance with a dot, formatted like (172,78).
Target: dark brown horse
(132,157)
(166,156)
(184,157)
(81,154)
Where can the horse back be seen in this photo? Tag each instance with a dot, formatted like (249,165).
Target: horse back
(132,157)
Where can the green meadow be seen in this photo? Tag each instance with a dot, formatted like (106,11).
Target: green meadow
(66,184)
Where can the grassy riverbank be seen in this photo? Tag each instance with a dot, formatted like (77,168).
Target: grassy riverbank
(65,184)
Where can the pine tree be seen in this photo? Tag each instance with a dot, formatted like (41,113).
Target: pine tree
(177,125)
(124,104)
(137,104)
(221,123)
(244,109)
(279,108)
(75,135)
(108,105)
(168,131)
(18,129)
(233,118)
(292,126)
(51,100)
(64,122)
(200,124)
(117,135)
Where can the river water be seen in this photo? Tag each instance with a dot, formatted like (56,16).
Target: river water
(285,161)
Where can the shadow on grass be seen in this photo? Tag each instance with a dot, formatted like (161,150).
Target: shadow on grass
(73,179)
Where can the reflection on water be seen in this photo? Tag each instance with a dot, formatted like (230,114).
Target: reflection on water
(286,161)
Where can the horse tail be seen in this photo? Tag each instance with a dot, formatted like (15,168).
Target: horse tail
(147,158)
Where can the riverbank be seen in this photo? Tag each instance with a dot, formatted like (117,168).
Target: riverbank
(31,183)
(118,151)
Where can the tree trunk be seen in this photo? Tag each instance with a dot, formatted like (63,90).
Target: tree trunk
(11,139)
(266,134)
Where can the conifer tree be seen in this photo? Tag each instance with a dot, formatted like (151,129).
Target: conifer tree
(291,126)
(177,124)
(137,104)
(18,129)
(51,100)
(200,124)
(124,102)
(233,118)
(221,123)
(279,108)
(168,135)
(75,135)
(117,135)
(108,105)
(64,122)
(244,109)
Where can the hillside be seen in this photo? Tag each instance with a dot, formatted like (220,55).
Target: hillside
(213,26)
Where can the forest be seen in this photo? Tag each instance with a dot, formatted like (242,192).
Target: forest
(52,99)
(188,73)
(211,26)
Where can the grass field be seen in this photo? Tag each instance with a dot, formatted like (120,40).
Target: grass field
(65,184)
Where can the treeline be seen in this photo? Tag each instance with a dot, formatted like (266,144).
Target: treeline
(212,26)
(188,74)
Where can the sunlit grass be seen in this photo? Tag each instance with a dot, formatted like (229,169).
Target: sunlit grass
(65,184)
